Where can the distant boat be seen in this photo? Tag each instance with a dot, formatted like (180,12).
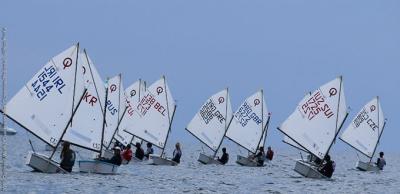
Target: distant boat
(249,127)
(156,111)
(46,105)
(315,123)
(210,123)
(9,131)
(365,131)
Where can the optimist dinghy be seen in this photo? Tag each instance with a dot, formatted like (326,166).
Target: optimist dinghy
(315,123)
(364,133)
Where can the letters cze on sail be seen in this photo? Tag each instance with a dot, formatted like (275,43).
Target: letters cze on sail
(249,123)
(156,110)
(46,103)
(132,95)
(86,127)
(365,130)
(317,118)
(211,121)
(115,106)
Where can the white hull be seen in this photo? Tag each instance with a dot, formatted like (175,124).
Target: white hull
(308,170)
(245,161)
(204,159)
(158,160)
(9,131)
(366,166)
(98,167)
(43,164)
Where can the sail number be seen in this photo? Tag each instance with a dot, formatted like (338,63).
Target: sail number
(364,116)
(46,81)
(209,111)
(245,114)
(314,105)
(149,101)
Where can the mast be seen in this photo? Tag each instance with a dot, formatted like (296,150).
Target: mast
(226,128)
(104,121)
(169,119)
(380,134)
(3,104)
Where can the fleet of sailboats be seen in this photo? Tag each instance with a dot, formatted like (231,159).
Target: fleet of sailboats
(68,101)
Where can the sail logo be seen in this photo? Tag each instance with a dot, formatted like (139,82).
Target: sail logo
(245,114)
(316,104)
(46,81)
(90,99)
(149,101)
(364,116)
(208,111)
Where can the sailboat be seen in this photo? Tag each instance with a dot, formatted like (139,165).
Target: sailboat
(248,128)
(365,131)
(111,115)
(46,105)
(315,123)
(210,123)
(156,110)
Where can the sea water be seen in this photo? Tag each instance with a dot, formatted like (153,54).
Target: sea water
(192,177)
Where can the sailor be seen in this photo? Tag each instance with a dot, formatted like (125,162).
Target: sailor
(381,162)
(67,157)
(177,153)
(328,166)
(260,156)
(139,153)
(270,153)
(225,157)
(116,159)
(127,153)
(149,150)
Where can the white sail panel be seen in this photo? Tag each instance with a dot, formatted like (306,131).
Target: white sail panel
(156,109)
(249,122)
(131,117)
(211,121)
(114,108)
(136,140)
(290,142)
(87,124)
(45,104)
(364,131)
(317,118)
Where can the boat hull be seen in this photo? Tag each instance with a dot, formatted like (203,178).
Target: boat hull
(308,170)
(97,167)
(41,163)
(366,166)
(204,159)
(245,161)
(158,160)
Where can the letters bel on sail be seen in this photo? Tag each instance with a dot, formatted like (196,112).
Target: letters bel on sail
(316,120)
(364,131)
(46,103)
(211,121)
(249,122)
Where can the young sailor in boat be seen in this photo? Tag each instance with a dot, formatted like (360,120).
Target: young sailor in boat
(116,159)
(328,167)
(127,153)
(270,153)
(225,157)
(67,157)
(177,153)
(149,150)
(381,162)
(260,156)
(139,153)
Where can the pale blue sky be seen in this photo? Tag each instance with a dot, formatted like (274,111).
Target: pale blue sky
(286,47)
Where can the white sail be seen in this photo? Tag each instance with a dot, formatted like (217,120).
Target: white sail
(136,140)
(130,117)
(115,106)
(211,121)
(156,109)
(290,142)
(364,131)
(249,122)
(45,104)
(87,124)
(317,119)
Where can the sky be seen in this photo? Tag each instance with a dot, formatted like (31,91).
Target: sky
(286,47)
